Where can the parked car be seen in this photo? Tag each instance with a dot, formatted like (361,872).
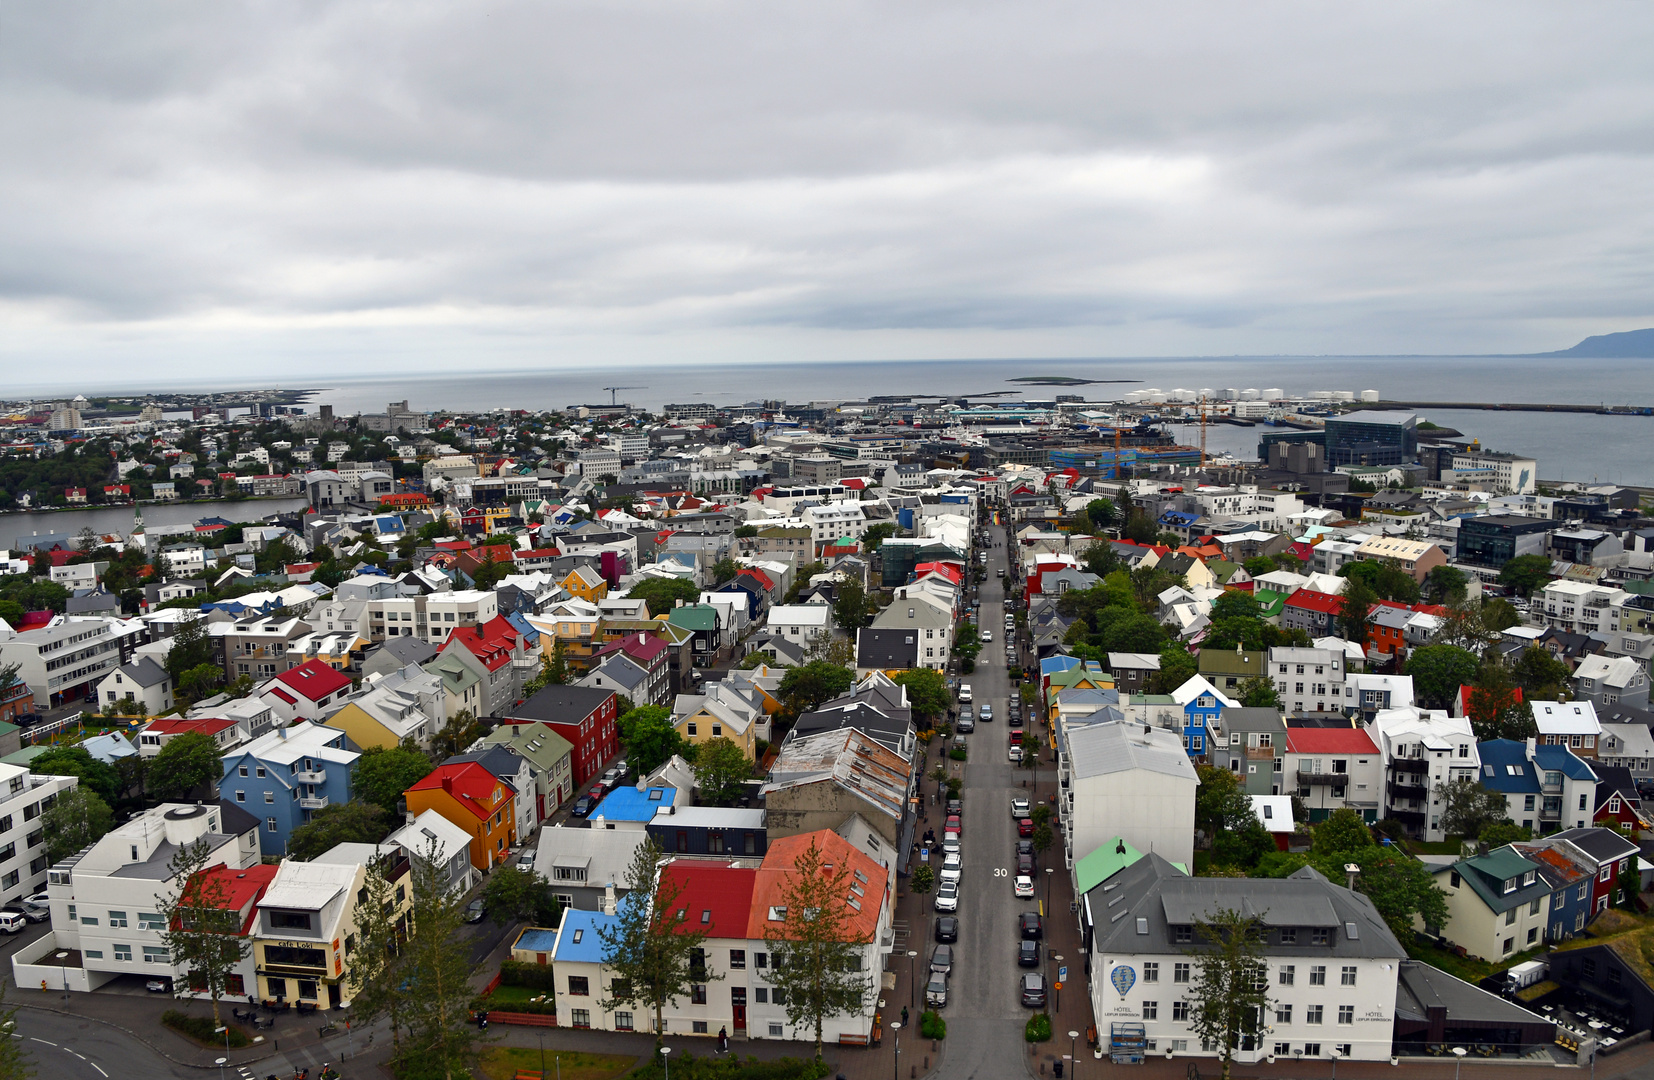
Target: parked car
(1015,722)
(955,807)
(947,896)
(1025,827)
(966,725)
(941,959)
(582,806)
(1027,954)
(950,843)
(1033,991)
(1033,927)
(953,824)
(1025,847)
(1014,754)
(40,898)
(952,867)
(1025,865)
(1019,808)
(12,921)
(964,693)
(36,912)
(1024,888)
(936,992)
(159,986)
(947,929)
(475,910)
(525,861)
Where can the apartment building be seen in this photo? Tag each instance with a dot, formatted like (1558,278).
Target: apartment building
(1308,680)
(24,798)
(1423,750)
(62,663)
(286,776)
(1573,724)
(1416,557)
(431,617)
(262,647)
(1333,768)
(1580,607)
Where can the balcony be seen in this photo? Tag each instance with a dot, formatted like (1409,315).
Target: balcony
(313,802)
(1412,818)
(1306,777)
(1407,791)
(311,776)
(1410,765)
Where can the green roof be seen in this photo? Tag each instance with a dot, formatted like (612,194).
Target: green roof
(26,755)
(694,617)
(1270,602)
(1103,864)
(1229,662)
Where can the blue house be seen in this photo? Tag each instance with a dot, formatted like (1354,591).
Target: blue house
(1202,705)
(286,776)
(1539,783)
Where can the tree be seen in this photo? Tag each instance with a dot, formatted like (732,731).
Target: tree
(720,769)
(921,881)
(1242,842)
(804,688)
(384,773)
(75,761)
(1259,692)
(1356,605)
(1099,558)
(927,692)
(1526,573)
(652,946)
(1387,580)
(1499,833)
(746,532)
(850,609)
(1101,512)
(202,927)
(1468,806)
(200,681)
(554,670)
(1342,832)
(1498,614)
(1438,671)
(651,739)
(441,1041)
(1042,838)
(1496,708)
(724,570)
(876,535)
(518,895)
(1629,885)
(816,959)
(1133,632)
(663,594)
(456,736)
(186,763)
(353,822)
(1176,668)
(377,971)
(1220,799)
(1230,989)
(1139,528)
(1541,675)
(15,1062)
(1446,585)
(191,647)
(77,819)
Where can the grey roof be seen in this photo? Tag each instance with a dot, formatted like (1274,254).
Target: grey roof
(893,647)
(1133,911)
(158,867)
(710,817)
(1420,987)
(1601,844)
(409,650)
(497,760)
(560,704)
(236,821)
(1247,718)
(1101,749)
(145,672)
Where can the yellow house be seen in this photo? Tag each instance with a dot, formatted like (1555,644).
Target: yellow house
(735,711)
(367,729)
(586,583)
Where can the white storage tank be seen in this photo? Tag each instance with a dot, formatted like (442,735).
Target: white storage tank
(1369,395)
(1273,393)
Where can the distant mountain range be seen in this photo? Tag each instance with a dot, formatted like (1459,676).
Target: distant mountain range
(1631,343)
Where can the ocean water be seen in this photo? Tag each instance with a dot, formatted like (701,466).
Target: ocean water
(1571,446)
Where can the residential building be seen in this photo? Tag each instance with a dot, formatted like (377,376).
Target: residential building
(142,683)
(61,663)
(1308,680)
(1423,749)
(1133,672)
(891,650)
(225,732)
(1581,607)
(727,709)
(932,625)
(1252,746)
(1497,904)
(548,755)
(802,624)
(1316,613)
(584,716)
(261,647)
(585,866)
(307,692)
(516,772)
(432,836)
(407,704)
(835,778)
(1416,557)
(24,799)
(1629,747)
(474,799)
(1334,768)
(710,830)
(1226,669)
(1203,705)
(1568,723)
(305,936)
(1330,957)
(1542,785)
(1122,780)
(496,651)
(1611,680)
(286,776)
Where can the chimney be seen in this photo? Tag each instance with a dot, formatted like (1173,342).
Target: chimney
(609,898)
(1350,872)
(514,731)
(1533,746)
(448,784)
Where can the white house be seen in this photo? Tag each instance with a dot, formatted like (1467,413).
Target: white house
(1129,781)
(1572,724)
(143,682)
(26,797)
(801,624)
(1423,750)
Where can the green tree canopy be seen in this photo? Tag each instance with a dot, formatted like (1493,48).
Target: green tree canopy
(1177,667)
(1496,708)
(1387,580)
(1220,800)
(75,761)
(187,763)
(516,894)
(191,647)
(1259,692)
(1230,989)
(850,609)
(927,692)
(1356,605)
(1342,832)
(663,594)
(78,818)
(1101,512)
(1438,671)
(651,739)
(1467,807)
(383,774)
(1541,675)
(804,688)
(353,822)
(1446,585)
(1526,573)
(720,770)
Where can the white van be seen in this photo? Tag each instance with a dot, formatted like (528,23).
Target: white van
(11,922)
(964,693)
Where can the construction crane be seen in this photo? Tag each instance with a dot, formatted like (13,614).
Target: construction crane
(614,391)
(1203,431)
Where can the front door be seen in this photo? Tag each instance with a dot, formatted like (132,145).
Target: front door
(738,1003)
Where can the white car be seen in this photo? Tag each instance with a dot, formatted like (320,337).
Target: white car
(1024,886)
(1014,754)
(1019,808)
(987,636)
(950,845)
(947,896)
(952,867)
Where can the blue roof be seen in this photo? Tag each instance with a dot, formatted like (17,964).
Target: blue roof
(521,625)
(581,942)
(1053,664)
(1499,757)
(539,939)
(1178,517)
(1564,761)
(630,804)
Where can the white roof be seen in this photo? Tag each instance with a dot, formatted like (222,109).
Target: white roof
(1103,749)
(1197,686)
(418,835)
(800,614)
(1274,811)
(308,885)
(1566,718)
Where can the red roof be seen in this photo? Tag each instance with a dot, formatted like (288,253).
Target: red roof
(758,576)
(715,898)
(952,573)
(313,680)
(239,890)
(640,646)
(1317,601)
(537,553)
(452,545)
(779,866)
(205,725)
(854,483)
(469,783)
(300,567)
(1337,740)
(492,642)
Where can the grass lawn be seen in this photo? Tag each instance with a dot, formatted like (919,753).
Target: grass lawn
(1439,847)
(1468,968)
(504,997)
(503,1063)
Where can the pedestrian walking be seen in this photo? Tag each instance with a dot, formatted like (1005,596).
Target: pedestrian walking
(904,1016)
(723,1040)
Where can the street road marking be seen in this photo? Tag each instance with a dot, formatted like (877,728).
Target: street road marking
(33,1039)
(98,1067)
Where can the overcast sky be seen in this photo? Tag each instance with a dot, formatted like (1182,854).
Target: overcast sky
(304,188)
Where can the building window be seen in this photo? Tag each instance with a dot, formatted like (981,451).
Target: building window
(270,825)
(117,918)
(1283,1013)
(1180,1011)
(1312,1014)
(269,796)
(775,1031)
(697,993)
(1151,972)
(1151,1010)
(623,1021)
(1346,1014)
(1180,973)
(1312,1050)
(1289,972)
(580,1018)
(155,954)
(1318,975)
(737,959)
(123,952)
(579,986)
(1347,977)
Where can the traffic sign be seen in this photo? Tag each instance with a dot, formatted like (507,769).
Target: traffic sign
(1059,986)
(1062,973)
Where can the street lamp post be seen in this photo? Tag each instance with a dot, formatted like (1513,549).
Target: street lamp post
(1335,1056)
(220,1063)
(541,1035)
(666,1062)
(1049,870)
(1458,1059)
(1073,1059)
(896,1026)
(913,974)
(63,973)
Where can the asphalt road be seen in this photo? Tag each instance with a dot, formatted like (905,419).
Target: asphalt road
(984,1013)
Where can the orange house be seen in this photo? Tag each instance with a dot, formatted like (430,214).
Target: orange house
(477,801)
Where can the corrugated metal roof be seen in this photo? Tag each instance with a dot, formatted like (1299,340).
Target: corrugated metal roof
(1104,749)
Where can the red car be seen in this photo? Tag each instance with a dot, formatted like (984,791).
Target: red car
(1025,827)
(952,824)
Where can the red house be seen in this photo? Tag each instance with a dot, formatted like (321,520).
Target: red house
(304,692)
(584,715)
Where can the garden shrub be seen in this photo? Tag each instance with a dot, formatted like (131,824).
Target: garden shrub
(1038,1028)
(536,976)
(200,1028)
(932,1026)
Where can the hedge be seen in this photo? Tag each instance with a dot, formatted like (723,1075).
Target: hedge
(200,1028)
(1038,1028)
(932,1026)
(535,976)
(687,1066)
